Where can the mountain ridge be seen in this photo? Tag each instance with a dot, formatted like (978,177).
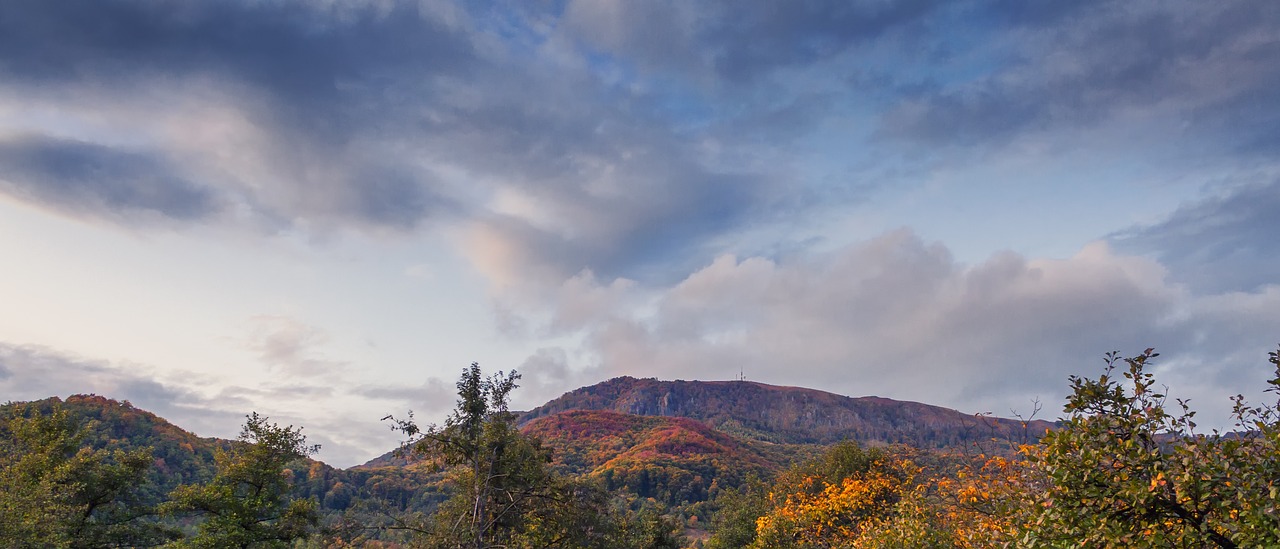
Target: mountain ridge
(793,415)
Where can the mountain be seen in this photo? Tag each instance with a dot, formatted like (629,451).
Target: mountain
(791,415)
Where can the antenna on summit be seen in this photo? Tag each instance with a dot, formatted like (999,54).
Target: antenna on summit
(741,375)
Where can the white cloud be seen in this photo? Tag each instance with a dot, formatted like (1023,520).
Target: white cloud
(898,317)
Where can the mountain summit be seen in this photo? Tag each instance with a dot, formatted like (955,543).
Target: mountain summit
(791,414)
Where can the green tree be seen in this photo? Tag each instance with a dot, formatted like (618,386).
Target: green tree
(734,525)
(649,529)
(498,473)
(248,502)
(1247,468)
(505,493)
(56,492)
(1123,471)
(33,454)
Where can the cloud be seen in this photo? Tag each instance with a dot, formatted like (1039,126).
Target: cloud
(290,346)
(582,301)
(547,374)
(736,41)
(36,372)
(644,214)
(317,90)
(434,396)
(184,398)
(294,49)
(1201,65)
(763,35)
(379,117)
(1223,243)
(77,177)
(347,440)
(899,317)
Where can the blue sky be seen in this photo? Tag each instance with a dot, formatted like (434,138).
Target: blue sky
(323,211)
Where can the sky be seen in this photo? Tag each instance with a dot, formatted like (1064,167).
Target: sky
(324,210)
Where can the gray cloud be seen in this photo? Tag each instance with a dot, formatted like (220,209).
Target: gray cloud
(387,116)
(1223,243)
(302,52)
(321,84)
(37,372)
(645,213)
(349,440)
(434,396)
(737,41)
(86,178)
(1200,64)
(545,375)
(283,390)
(31,372)
(394,199)
(1037,13)
(763,35)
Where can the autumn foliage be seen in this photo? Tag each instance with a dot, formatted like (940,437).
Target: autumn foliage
(827,513)
(1121,470)
(673,460)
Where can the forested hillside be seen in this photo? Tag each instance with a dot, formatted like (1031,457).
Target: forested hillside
(179,455)
(673,460)
(175,457)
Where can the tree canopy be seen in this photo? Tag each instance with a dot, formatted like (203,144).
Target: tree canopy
(248,503)
(55,492)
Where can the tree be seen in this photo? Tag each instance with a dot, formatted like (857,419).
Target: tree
(33,453)
(56,492)
(1123,471)
(497,471)
(505,493)
(648,529)
(734,525)
(979,502)
(248,502)
(830,502)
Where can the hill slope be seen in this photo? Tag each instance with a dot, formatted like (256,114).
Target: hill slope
(182,457)
(670,459)
(790,414)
